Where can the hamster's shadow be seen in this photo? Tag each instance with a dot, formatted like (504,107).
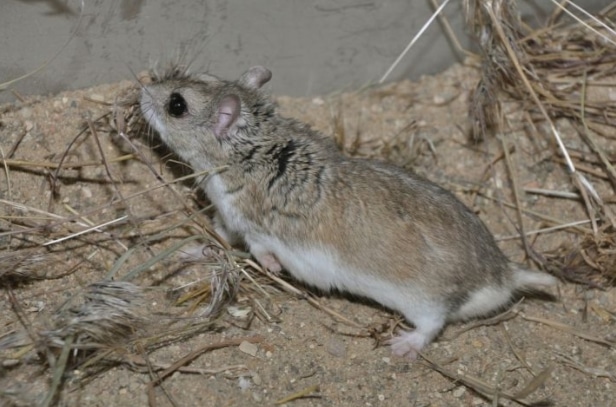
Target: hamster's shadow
(536,294)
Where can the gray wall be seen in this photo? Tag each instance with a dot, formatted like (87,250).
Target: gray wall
(312,46)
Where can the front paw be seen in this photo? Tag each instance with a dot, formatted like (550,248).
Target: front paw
(269,262)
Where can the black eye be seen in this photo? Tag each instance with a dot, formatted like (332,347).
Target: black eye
(177,105)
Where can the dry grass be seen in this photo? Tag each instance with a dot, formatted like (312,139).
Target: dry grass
(107,323)
(559,73)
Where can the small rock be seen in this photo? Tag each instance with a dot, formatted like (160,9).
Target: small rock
(438,100)
(256,379)
(459,392)
(477,344)
(336,347)
(86,192)
(477,401)
(249,348)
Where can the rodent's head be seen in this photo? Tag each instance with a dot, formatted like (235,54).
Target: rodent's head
(201,117)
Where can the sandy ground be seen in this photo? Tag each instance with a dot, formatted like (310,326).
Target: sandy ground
(563,342)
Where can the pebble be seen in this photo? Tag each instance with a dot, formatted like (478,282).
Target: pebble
(459,392)
(336,347)
(438,100)
(86,192)
(249,348)
(256,379)
(477,344)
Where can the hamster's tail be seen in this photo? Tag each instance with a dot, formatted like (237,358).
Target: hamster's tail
(524,279)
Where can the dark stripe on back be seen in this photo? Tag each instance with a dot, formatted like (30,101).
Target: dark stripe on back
(282,156)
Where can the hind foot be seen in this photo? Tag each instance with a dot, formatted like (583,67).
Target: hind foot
(428,325)
(408,344)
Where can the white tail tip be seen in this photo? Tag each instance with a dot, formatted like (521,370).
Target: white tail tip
(527,279)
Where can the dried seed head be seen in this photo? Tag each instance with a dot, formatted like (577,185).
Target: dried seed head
(110,314)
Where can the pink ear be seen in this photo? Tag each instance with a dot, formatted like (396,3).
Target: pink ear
(256,77)
(228,112)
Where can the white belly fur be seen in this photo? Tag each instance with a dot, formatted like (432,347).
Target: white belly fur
(321,268)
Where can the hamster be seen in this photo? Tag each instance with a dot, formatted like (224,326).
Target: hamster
(337,223)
